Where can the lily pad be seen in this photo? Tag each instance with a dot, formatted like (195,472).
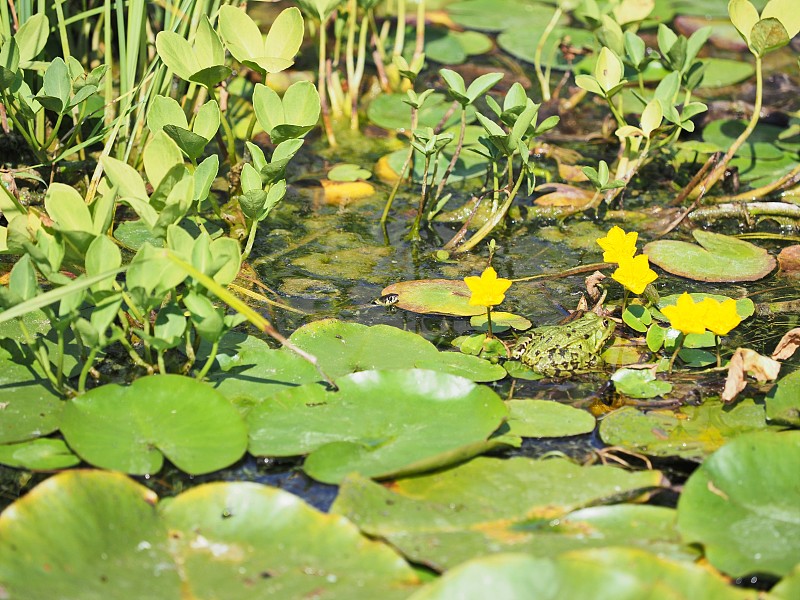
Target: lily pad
(492,505)
(86,534)
(241,541)
(783,400)
(29,408)
(545,418)
(453,47)
(693,432)
(640,383)
(500,321)
(788,587)
(761,144)
(718,258)
(521,43)
(743,505)
(133,428)
(42,454)
(343,348)
(435,296)
(390,112)
(497,15)
(378,423)
(618,573)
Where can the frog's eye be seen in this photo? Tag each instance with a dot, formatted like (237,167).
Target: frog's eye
(387,300)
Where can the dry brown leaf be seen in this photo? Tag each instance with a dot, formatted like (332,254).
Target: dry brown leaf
(743,362)
(788,345)
(789,260)
(593,285)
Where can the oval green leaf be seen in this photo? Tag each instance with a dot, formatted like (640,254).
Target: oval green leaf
(132,428)
(437,296)
(545,418)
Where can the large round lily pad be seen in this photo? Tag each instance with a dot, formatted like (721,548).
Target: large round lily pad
(241,541)
(493,505)
(692,433)
(132,428)
(435,296)
(29,408)
(717,258)
(600,573)
(86,534)
(743,505)
(378,423)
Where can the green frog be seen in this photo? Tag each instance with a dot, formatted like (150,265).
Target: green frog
(559,350)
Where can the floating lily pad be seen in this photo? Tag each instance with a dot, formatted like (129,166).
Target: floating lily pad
(497,15)
(29,408)
(618,573)
(693,432)
(453,47)
(348,172)
(241,541)
(743,505)
(133,428)
(390,112)
(500,321)
(378,422)
(86,534)
(545,418)
(135,234)
(788,588)
(640,383)
(42,454)
(521,42)
(435,296)
(722,72)
(717,258)
(761,144)
(491,505)
(783,400)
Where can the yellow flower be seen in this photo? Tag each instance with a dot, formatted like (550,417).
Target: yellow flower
(687,316)
(635,273)
(618,245)
(488,289)
(721,317)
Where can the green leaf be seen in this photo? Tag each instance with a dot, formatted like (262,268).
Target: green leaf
(133,428)
(270,544)
(285,35)
(719,502)
(377,423)
(783,400)
(239,33)
(207,46)
(204,176)
(693,432)
(207,121)
(768,35)
(57,87)
(189,142)
(744,16)
(177,54)
(125,178)
(494,505)
(301,104)
(348,172)
(30,408)
(67,208)
(9,64)
(90,535)
(31,38)
(640,383)
(165,111)
(786,12)
(718,258)
(608,70)
(434,296)
(545,418)
(42,454)
(160,155)
(102,256)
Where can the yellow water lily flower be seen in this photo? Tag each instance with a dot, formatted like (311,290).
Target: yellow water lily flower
(721,317)
(687,316)
(618,245)
(635,273)
(488,289)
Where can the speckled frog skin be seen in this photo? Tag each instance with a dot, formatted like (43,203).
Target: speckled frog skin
(560,350)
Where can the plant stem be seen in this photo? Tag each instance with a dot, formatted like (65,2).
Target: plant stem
(456,153)
(414,237)
(401,176)
(675,354)
(544,82)
(420,44)
(489,322)
(212,355)
(229,137)
(321,86)
(400,32)
(250,239)
(716,174)
(87,367)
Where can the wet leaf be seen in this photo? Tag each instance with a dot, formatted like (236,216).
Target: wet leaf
(789,587)
(783,400)
(618,573)
(390,112)
(500,321)
(746,528)
(640,383)
(692,432)
(545,418)
(491,505)
(718,258)
(348,172)
(497,15)
(435,296)
(28,406)
(86,534)
(514,42)
(376,424)
(133,428)
(42,454)
(241,541)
